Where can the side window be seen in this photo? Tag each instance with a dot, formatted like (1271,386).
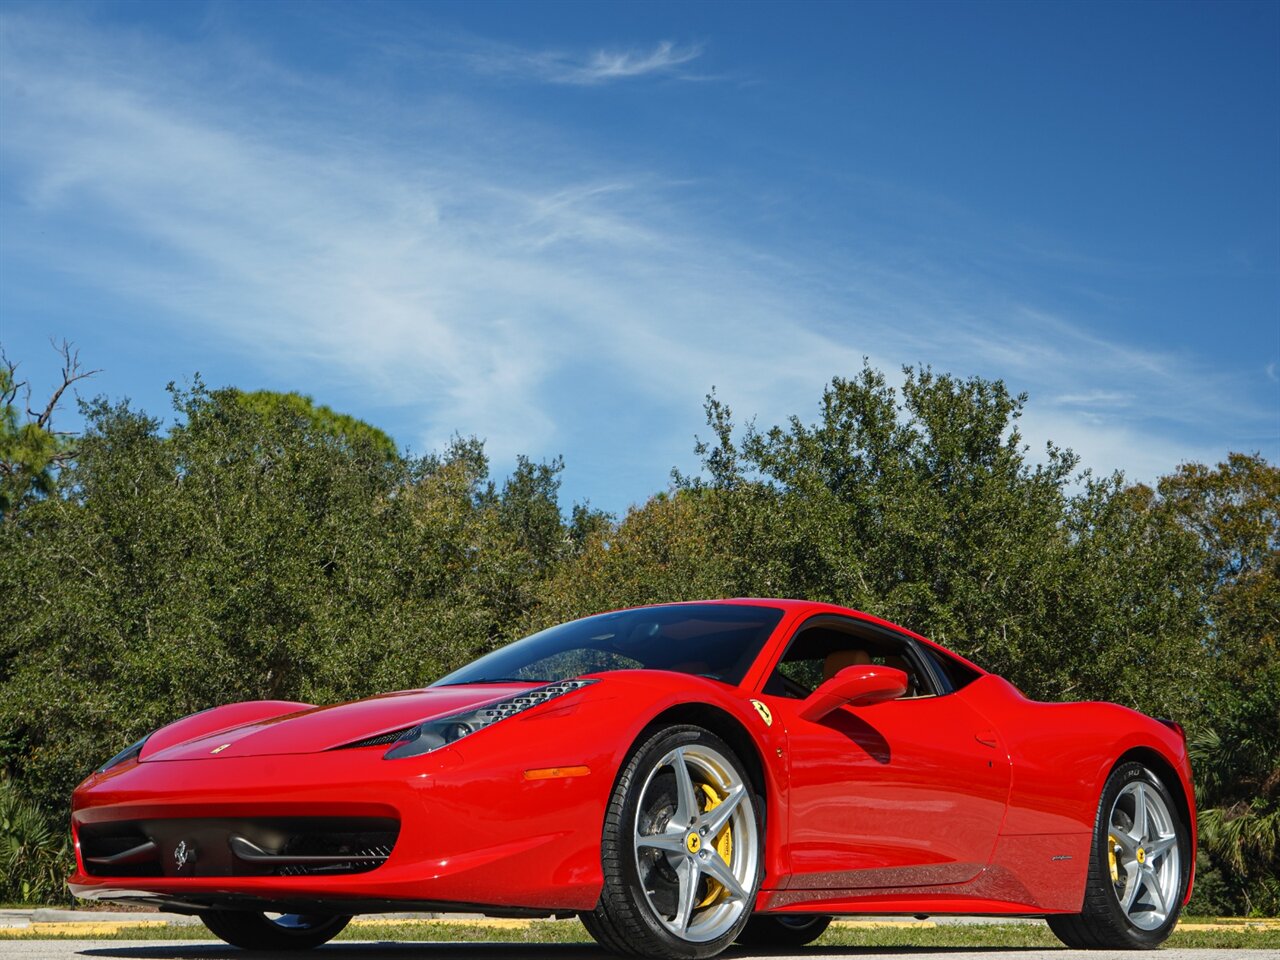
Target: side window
(819,652)
(954,673)
(799,677)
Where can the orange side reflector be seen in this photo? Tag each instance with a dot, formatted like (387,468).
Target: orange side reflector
(553,773)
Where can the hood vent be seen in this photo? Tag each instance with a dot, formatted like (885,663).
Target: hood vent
(381,740)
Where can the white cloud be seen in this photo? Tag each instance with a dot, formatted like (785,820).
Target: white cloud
(1105,445)
(461,289)
(432,255)
(1095,398)
(666,59)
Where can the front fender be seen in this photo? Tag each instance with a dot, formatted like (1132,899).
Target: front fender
(686,699)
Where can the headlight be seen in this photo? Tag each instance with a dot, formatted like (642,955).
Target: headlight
(128,753)
(433,734)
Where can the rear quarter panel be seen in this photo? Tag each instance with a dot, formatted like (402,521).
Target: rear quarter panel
(1060,755)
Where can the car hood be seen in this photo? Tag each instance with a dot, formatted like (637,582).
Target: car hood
(325,728)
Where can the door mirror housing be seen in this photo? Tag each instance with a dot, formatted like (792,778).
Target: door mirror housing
(858,686)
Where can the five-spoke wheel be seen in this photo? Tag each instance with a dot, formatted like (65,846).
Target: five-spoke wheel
(1138,868)
(1143,856)
(681,849)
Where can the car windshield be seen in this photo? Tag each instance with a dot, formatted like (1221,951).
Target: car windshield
(716,640)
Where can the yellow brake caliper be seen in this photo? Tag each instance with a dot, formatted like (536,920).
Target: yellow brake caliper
(1111,858)
(723,844)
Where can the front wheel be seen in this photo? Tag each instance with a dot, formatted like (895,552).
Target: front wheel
(783,930)
(1138,870)
(681,850)
(263,931)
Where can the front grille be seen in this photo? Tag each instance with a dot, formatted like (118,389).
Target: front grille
(249,847)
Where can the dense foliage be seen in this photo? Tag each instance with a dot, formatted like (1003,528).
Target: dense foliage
(35,850)
(262,546)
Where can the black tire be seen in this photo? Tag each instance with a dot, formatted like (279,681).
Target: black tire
(626,920)
(256,931)
(1103,922)
(783,929)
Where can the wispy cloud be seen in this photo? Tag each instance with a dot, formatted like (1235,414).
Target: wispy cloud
(469,290)
(666,59)
(1095,399)
(452,274)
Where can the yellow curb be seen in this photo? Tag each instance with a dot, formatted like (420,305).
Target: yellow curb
(77,929)
(1250,926)
(100,928)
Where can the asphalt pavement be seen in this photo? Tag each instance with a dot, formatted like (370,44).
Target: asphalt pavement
(356,950)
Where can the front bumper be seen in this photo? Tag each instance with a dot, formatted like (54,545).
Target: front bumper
(480,837)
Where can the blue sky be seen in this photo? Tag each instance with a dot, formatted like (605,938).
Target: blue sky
(557,226)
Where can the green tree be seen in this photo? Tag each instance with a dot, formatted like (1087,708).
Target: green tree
(31,451)
(923,506)
(251,551)
(318,420)
(1233,510)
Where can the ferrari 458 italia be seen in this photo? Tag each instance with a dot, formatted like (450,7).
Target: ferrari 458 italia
(681,777)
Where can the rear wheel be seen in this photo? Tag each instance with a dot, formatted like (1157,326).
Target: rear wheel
(681,850)
(273,931)
(783,930)
(1138,869)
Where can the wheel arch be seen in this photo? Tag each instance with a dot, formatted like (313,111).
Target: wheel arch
(725,726)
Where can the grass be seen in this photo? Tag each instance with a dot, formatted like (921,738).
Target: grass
(1024,936)
(967,936)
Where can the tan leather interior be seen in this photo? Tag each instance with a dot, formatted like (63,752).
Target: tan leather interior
(839,659)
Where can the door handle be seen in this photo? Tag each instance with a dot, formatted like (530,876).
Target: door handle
(987,738)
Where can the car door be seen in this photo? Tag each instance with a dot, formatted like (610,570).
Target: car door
(909,792)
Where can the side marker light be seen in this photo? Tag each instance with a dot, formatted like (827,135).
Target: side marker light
(556,773)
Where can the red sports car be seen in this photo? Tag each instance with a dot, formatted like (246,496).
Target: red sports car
(681,777)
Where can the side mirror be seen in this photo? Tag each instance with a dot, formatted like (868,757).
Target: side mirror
(858,686)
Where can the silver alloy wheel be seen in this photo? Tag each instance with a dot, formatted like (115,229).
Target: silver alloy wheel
(711,892)
(1145,862)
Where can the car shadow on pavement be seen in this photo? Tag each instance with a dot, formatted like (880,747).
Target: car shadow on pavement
(435,950)
(355,951)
